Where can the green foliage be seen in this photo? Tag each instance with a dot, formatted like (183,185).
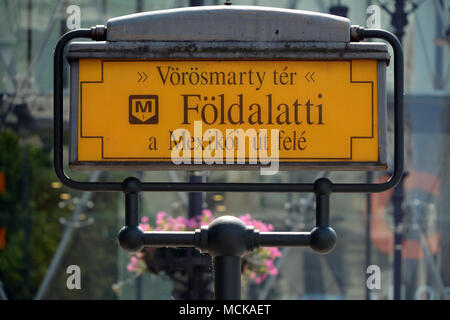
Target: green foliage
(29,211)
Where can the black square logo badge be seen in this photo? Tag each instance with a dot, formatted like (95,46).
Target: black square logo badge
(143,109)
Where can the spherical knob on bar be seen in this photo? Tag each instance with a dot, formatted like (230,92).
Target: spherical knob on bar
(323,186)
(323,239)
(131,185)
(131,238)
(227,236)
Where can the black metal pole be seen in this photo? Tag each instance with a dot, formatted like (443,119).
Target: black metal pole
(139,287)
(29,32)
(339,10)
(25,171)
(139,6)
(285,239)
(195,198)
(196,287)
(196,3)
(438,53)
(132,209)
(397,199)
(399,19)
(399,142)
(369,178)
(227,277)
(26,208)
(323,209)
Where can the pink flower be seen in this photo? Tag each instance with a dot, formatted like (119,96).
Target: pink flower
(191,223)
(271,267)
(207,213)
(160,217)
(274,252)
(273,271)
(246,218)
(144,219)
(260,279)
(181,221)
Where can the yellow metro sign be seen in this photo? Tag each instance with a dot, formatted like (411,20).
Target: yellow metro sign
(317,114)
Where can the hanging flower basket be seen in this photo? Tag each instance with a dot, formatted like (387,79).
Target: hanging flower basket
(182,265)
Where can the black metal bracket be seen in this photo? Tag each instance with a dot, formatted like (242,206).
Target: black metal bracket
(132,238)
(228,238)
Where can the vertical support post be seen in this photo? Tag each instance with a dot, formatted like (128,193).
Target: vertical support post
(339,10)
(131,188)
(227,277)
(196,285)
(438,50)
(139,5)
(131,237)
(196,3)
(131,209)
(397,199)
(368,234)
(323,238)
(227,239)
(62,30)
(322,190)
(322,209)
(195,198)
(25,207)
(29,33)
(399,143)
(139,287)
(399,19)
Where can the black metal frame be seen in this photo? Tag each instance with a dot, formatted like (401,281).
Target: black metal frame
(358,34)
(227,238)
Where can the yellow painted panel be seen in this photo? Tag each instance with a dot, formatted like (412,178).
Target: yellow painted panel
(325,111)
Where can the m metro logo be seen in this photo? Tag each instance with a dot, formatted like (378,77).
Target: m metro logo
(143,109)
